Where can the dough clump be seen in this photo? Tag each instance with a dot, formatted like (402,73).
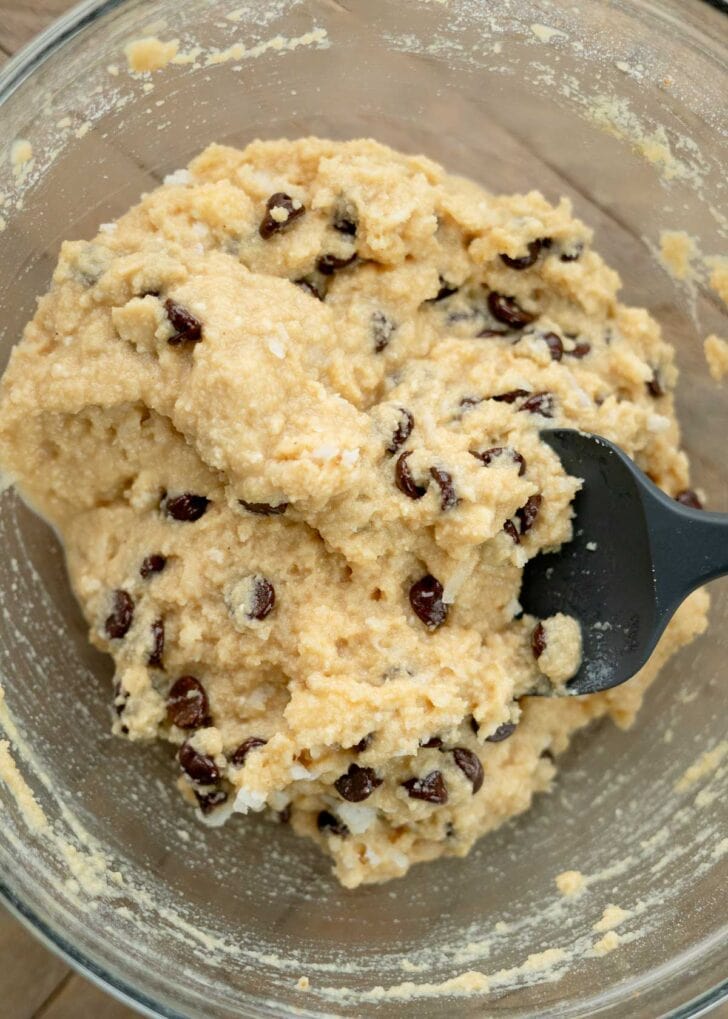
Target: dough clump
(285,415)
(716,354)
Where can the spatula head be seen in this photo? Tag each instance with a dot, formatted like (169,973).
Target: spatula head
(604,577)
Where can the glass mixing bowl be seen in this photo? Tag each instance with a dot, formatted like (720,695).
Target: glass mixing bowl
(622,106)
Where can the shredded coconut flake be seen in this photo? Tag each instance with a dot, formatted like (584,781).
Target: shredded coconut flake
(248,799)
(581,394)
(178,177)
(456,581)
(277,349)
(325,453)
(657,423)
(356,816)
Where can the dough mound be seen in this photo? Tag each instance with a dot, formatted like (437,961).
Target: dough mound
(285,415)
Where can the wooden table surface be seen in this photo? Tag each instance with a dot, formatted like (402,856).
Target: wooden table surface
(33,981)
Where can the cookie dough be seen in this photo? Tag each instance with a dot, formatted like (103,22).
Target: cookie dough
(716,354)
(285,415)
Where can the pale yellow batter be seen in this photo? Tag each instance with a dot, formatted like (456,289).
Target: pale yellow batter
(285,414)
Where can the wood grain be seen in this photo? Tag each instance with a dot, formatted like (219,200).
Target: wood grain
(29,974)
(34,982)
(20,20)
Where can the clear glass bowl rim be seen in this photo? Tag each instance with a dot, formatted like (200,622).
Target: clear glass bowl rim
(14,73)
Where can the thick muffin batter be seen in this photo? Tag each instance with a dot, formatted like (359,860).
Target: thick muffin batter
(285,414)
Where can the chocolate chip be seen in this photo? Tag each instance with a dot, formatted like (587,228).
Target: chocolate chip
(402,432)
(291,210)
(431,788)
(448,498)
(357,784)
(199,767)
(310,288)
(504,730)
(363,743)
(572,253)
(327,265)
(689,498)
(654,386)
(508,310)
(264,509)
(556,347)
(538,640)
(187,705)
(446,290)
(433,743)
(425,597)
(580,350)
(528,513)
(525,261)
(474,725)
(263,598)
(344,220)
(489,455)
(122,616)
(511,396)
(404,480)
(539,403)
(152,564)
(208,801)
(156,655)
(469,764)
(327,822)
(186,507)
(189,328)
(382,330)
(510,528)
(239,755)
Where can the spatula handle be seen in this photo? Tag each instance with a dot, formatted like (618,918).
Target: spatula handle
(689,547)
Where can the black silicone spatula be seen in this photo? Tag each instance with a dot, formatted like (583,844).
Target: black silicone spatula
(635,556)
